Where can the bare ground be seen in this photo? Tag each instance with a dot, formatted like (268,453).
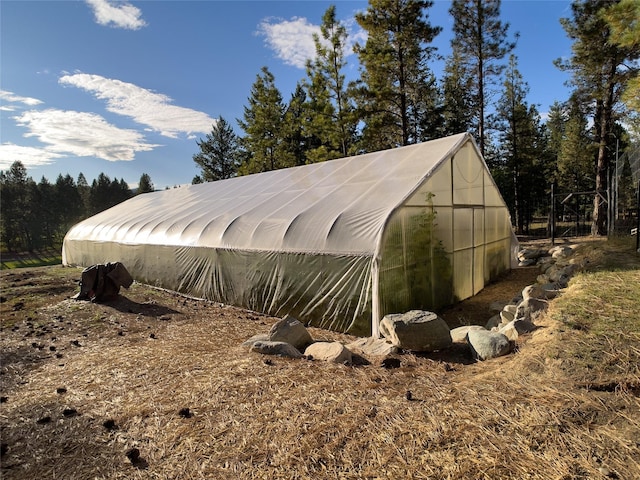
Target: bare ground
(156,385)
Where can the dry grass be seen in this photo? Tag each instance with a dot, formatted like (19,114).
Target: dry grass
(543,412)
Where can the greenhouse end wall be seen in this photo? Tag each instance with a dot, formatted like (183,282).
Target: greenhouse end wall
(450,238)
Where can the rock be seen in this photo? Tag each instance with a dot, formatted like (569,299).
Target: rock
(291,331)
(517,327)
(530,253)
(533,291)
(261,337)
(523,326)
(486,345)
(493,322)
(496,306)
(552,290)
(372,347)
(530,308)
(416,330)
(282,349)
(527,262)
(545,291)
(543,278)
(329,351)
(545,262)
(509,331)
(561,251)
(508,313)
(459,334)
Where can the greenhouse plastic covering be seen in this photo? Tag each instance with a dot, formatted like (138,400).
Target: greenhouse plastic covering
(337,244)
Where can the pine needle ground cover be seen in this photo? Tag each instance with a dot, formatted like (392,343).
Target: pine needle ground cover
(156,385)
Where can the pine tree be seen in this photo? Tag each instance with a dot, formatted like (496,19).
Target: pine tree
(15,206)
(145,185)
(523,146)
(624,27)
(457,97)
(391,95)
(295,127)
(85,194)
(556,121)
(600,70)
(576,169)
(219,155)
(68,203)
(480,43)
(330,108)
(263,143)
(42,222)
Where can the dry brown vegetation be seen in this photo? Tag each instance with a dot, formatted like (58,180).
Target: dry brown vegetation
(155,385)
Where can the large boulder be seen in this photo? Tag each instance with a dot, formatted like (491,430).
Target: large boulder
(292,331)
(282,349)
(416,330)
(540,291)
(486,345)
(517,327)
(329,352)
(372,347)
(530,308)
(260,337)
(493,322)
(530,253)
(561,251)
(459,334)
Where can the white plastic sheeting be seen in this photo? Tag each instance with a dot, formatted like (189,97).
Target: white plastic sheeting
(338,244)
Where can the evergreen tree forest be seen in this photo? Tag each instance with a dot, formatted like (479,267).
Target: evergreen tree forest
(34,215)
(397,100)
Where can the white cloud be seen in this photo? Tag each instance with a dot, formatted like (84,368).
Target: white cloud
(29,156)
(292,40)
(82,134)
(13,98)
(117,14)
(144,106)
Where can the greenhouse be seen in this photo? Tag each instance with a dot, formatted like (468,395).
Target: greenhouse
(336,244)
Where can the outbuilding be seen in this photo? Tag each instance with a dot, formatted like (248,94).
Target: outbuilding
(337,244)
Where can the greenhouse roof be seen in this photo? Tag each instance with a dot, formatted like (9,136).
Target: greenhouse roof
(338,206)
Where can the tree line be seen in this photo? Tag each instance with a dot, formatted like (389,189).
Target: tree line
(397,100)
(38,215)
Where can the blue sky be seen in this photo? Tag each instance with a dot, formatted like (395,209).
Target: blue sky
(127,88)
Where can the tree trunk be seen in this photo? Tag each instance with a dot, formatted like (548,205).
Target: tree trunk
(599,223)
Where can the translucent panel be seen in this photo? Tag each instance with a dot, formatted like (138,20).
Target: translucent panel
(437,188)
(478,269)
(498,224)
(443,227)
(415,272)
(478,227)
(468,177)
(497,259)
(462,228)
(463,274)
(492,197)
